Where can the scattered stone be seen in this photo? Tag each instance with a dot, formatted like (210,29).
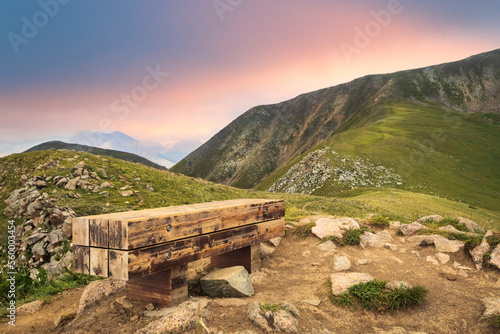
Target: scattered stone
(397,259)
(127,193)
(258,319)
(394,225)
(411,229)
(105,185)
(342,281)
(391,247)
(434,218)
(150,307)
(57,320)
(134,318)
(327,246)
(275,241)
(443,258)
(432,260)
(341,263)
(33,239)
(313,302)
(62,182)
(40,184)
(492,307)
(71,185)
(463,273)
(470,225)
(306,253)
(478,253)
(285,322)
(457,266)
(495,257)
(394,285)
(376,240)
(266,251)
(228,282)
(81,165)
(149,187)
(362,262)
(30,308)
(98,290)
(326,227)
(441,243)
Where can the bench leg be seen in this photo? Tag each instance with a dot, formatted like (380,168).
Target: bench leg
(169,287)
(248,257)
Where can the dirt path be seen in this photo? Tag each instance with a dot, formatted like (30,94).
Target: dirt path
(296,271)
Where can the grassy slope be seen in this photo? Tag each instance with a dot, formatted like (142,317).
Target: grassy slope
(175,189)
(449,154)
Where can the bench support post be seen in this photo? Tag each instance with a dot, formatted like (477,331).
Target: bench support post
(169,287)
(248,257)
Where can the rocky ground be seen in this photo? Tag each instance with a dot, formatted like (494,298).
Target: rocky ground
(297,272)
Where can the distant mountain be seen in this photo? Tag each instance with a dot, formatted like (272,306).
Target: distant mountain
(120,142)
(432,130)
(59,145)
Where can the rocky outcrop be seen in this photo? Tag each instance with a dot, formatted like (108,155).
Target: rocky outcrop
(478,253)
(376,240)
(342,281)
(326,227)
(282,320)
(441,243)
(411,229)
(98,290)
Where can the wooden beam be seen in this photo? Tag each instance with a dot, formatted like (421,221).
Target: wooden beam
(169,287)
(248,257)
(137,229)
(99,261)
(132,264)
(81,259)
(80,231)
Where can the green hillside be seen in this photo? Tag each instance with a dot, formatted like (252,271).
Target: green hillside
(59,145)
(451,154)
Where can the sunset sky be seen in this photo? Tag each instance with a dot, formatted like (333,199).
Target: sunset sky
(179,71)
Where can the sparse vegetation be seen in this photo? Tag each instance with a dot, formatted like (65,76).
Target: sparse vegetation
(264,307)
(374,295)
(379,221)
(303,231)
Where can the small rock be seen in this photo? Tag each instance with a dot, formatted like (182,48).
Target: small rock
(326,227)
(394,225)
(127,193)
(256,318)
(411,229)
(105,185)
(492,307)
(98,290)
(71,185)
(397,259)
(62,182)
(313,302)
(81,164)
(432,260)
(266,251)
(342,281)
(228,282)
(40,184)
(434,218)
(30,308)
(150,188)
(177,322)
(150,307)
(470,225)
(495,257)
(306,253)
(57,320)
(275,241)
(134,318)
(391,246)
(341,263)
(376,240)
(327,246)
(362,262)
(285,322)
(463,273)
(443,258)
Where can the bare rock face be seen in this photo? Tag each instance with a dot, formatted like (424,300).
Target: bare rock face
(495,257)
(411,229)
(477,253)
(342,281)
(30,308)
(278,321)
(376,240)
(228,282)
(492,307)
(470,225)
(326,227)
(266,251)
(98,290)
(441,243)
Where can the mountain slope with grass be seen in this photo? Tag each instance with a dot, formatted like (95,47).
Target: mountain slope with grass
(433,130)
(59,145)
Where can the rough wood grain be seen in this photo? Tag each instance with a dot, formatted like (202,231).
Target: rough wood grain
(137,229)
(80,231)
(149,260)
(99,262)
(81,259)
(248,257)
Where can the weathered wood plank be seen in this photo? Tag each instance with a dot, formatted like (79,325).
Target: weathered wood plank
(98,233)
(81,259)
(80,231)
(137,229)
(169,287)
(99,261)
(248,257)
(149,260)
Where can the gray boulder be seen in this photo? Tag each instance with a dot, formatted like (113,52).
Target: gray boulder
(228,282)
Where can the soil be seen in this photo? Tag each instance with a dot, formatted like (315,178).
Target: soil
(297,271)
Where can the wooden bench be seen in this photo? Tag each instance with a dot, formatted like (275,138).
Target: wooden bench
(151,249)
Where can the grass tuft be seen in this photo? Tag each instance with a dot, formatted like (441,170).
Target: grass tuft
(264,307)
(303,231)
(379,221)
